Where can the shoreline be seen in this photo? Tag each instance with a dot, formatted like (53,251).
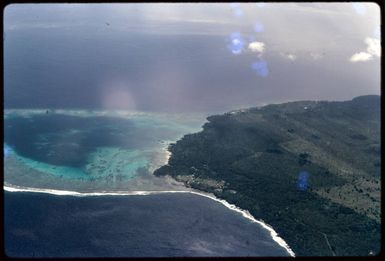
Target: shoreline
(274,235)
(164,148)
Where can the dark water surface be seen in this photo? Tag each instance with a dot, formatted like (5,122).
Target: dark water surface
(44,225)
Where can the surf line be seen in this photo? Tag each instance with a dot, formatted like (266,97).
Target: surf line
(246,214)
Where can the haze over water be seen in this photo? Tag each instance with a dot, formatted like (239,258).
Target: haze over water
(94,93)
(188,57)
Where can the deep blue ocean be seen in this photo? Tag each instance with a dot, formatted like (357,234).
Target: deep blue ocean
(97,154)
(163,225)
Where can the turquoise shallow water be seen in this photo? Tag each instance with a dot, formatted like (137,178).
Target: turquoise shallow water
(82,151)
(95,150)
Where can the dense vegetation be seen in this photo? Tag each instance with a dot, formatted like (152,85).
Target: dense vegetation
(253,158)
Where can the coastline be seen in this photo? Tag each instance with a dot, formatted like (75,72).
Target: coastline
(166,154)
(244,213)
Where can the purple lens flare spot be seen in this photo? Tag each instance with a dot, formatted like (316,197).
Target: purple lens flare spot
(236,43)
(303,180)
(261,68)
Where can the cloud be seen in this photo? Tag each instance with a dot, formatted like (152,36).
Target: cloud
(374,46)
(316,56)
(361,57)
(289,56)
(373,49)
(257,47)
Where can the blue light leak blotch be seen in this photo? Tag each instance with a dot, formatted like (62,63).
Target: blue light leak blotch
(238,12)
(303,182)
(377,32)
(236,7)
(236,43)
(258,27)
(7,151)
(360,8)
(261,68)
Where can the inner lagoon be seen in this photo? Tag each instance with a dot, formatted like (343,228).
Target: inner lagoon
(92,172)
(91,151)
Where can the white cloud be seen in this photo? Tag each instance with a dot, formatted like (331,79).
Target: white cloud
(316,56)
(373,49)
(258,47)
(361,57)
(374,46)
(289,56)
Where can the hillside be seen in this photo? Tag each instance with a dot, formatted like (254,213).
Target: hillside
(311,169)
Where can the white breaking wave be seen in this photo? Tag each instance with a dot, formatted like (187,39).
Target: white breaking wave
(244,213)
(247,215)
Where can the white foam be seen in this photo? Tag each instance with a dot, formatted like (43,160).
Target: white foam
(247,215)
(244,213)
